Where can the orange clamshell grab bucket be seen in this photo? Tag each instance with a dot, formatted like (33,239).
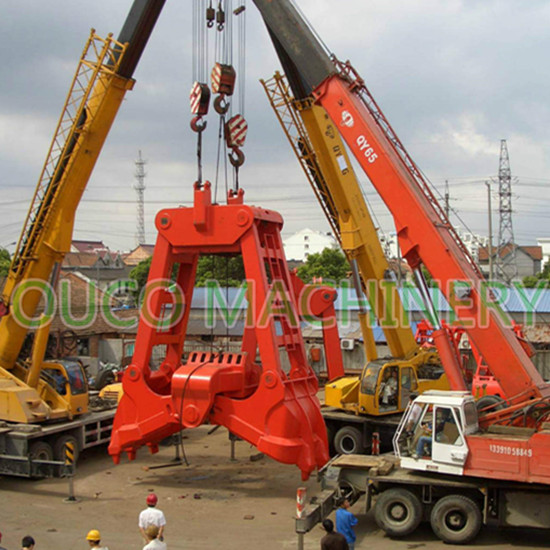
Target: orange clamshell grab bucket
(274,410)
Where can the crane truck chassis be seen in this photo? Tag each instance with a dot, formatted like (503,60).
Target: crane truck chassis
(406,489)
(38,450)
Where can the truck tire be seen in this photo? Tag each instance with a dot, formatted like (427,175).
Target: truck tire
(59,447)
(456,519)
(348,441)
(398,512)
(40,450)
(330,438)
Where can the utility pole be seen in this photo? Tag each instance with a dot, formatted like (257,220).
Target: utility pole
(140,189)
(506,248)
(490,244)
(447,199)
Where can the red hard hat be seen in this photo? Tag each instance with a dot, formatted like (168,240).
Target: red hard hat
(152,499)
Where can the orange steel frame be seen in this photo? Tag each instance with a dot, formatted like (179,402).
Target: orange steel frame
(276,411)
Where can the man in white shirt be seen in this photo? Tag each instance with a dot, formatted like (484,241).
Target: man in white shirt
(152,516)
(154,543)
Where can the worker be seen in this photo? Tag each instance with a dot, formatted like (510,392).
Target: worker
(94,540)
(60,382)
(389,388)
(333,540)
(345,521)
(153,542)
(27,543)
(414,414)
(151,516)
(424,444)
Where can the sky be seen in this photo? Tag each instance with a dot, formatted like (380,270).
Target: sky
(453,78)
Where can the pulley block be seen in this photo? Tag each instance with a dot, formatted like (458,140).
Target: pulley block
(223,79)
(235,131)
(199,98)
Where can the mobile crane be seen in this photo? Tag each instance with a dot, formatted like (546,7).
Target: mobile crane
(355,405)
(51,397)
(481,467)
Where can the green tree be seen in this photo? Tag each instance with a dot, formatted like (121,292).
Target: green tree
(330,264)
(5,261)
(531,281)
(228,271)
(140,273)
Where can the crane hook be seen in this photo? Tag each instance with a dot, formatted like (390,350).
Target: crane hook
(220,105)
(220,17)
(210,16)
(236,157)
(198,124)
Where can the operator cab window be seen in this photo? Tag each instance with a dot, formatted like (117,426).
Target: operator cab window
(446,426)
(76,378)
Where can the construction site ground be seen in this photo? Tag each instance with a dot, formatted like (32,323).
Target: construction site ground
(211,504)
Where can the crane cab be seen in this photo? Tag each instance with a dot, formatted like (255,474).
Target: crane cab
(432,433)
(68,379)
(384,387)
(61,392)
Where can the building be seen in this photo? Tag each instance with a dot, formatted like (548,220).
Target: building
(102,267)
(88,323)
(88,247)
(307,241)
(544,243)
(528,259)
(472,241)
(138,254)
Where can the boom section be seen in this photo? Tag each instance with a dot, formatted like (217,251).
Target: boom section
(424,232)
(101,80)
(426,236)
(323,156)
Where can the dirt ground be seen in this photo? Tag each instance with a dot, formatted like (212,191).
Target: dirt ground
(212,504)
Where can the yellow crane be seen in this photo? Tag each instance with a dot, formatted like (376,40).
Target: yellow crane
(34,390)
(381,392)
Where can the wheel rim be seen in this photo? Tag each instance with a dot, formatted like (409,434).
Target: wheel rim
(456,520)
(41,454)
(398,512)
(348,444)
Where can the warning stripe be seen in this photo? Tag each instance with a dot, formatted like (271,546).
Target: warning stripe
(199,98)
(195,97)
(216,77)
(237,128)
(69,453)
